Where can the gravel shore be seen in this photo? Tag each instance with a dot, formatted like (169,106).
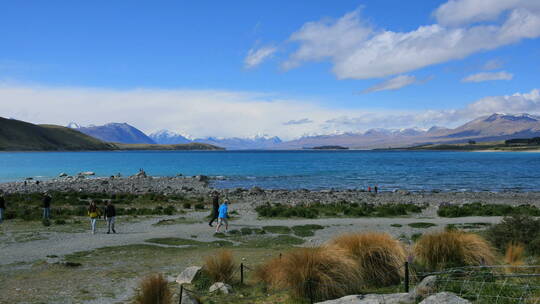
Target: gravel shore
(202,186)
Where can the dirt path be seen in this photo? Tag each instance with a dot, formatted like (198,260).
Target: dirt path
(136,233)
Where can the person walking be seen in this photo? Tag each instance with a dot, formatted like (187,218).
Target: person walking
(2,206)
(93,212)
(376,189)
(46,205)
(222,216)
(215,208)
(110,215)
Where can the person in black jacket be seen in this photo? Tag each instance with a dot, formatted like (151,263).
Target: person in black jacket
(110,215)
(215,208)
(2,206)
(46,206)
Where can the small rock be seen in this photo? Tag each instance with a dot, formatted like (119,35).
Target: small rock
(87,173)
(63,174)
(221,287)
(444,297)
(188,275)
(426,287)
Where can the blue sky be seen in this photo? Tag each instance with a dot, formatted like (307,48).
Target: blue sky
(78,60)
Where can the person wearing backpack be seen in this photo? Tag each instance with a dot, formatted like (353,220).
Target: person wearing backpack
(94,213)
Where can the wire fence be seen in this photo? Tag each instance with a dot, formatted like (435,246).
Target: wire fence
(499,284)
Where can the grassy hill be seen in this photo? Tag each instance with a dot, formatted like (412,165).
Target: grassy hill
(17,135)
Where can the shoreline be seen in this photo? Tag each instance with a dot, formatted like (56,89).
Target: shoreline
(201,186)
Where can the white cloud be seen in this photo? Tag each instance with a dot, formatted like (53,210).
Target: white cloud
(461,12)
(492,65)
(395,83)
(203,113)
(360,52)
(257,56)
(486,76)
(298,122)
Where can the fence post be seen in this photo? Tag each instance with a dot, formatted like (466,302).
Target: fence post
(181,293)
(406,276)
(241,273)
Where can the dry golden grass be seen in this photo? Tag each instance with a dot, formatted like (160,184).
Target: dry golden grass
(452,248)
(153,289)
(325,273)
(220,267)
(515,253)
(380,258)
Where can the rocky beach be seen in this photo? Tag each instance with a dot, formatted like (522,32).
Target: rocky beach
(202,185)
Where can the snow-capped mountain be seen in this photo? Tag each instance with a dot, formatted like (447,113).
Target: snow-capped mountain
(166,137)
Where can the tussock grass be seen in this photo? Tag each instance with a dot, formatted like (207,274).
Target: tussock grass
(452,248)
(514,256)
(221,266)
(379,257)
(322,272)
(153,289)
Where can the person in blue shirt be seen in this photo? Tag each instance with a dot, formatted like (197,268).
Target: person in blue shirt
(222,216)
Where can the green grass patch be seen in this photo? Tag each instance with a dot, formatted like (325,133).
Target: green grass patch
(341,209)
(184,242)
(277,229)
(306,230)
(396,225)
(422,225)
(280,241)
(480,209)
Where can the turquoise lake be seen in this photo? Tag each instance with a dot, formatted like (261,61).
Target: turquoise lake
(412,170)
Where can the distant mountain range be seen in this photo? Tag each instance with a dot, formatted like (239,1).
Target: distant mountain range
(115,132)
(488,128)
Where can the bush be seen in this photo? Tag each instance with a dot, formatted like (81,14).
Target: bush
(153,289)
(46,222)
(452,248)
(326,273)
(479,209)
(514,255)
(220,267)
(518,228)
(380,258)
(186,205)
(421,225)
(169,210)
(199,206)
(59,222)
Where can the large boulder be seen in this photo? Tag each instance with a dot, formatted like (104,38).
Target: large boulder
(426,287)
(220,287)
(444,298)
(393,298)
(188,275)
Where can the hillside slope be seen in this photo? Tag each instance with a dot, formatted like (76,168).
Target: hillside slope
(117,133)
(17,135)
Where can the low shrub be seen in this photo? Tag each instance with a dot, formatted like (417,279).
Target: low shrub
(514,255)
(518,228)
(277,229)
(452,248)
(479,209)
(59,222)
(379,257)
(323,273)
(186,205)
(421,225)
(306,230)
(153,289)
(199,206)
(220,267)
